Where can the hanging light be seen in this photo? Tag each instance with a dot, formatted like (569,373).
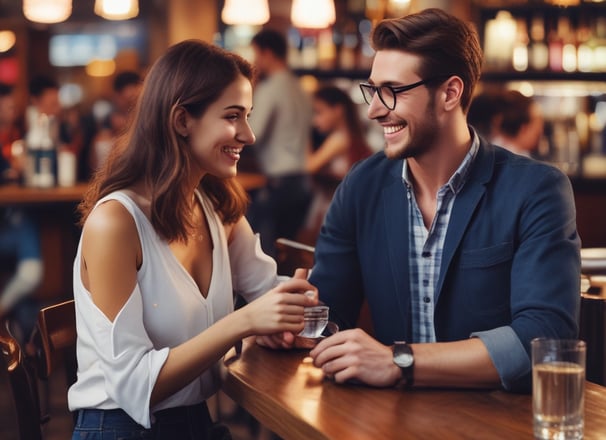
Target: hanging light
(7,40)
(312,14)
(117,9)
(397,8)
(47,11)
(249,12)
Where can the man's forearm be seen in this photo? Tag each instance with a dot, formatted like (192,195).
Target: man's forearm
(459,364)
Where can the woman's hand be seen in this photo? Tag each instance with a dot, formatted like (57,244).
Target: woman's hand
(281,309)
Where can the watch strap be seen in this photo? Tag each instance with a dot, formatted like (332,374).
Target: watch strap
(406,381)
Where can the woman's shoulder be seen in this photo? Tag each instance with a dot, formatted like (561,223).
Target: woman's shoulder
(109,218)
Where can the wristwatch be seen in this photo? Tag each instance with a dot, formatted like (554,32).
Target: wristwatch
(403,358)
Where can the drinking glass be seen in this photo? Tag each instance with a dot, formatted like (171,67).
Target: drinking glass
(558,388)
(316,319)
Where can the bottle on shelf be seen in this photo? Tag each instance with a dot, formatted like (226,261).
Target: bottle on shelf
(499,40)
(599,50)
(538,53)
(569,47)
(555,45)
(520,48)
(349,45)
(585,61)
(41,163)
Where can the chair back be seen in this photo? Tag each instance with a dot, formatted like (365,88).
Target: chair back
(292,255)
(23,384)
(53,339)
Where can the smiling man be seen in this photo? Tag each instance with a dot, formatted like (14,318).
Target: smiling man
(463,251)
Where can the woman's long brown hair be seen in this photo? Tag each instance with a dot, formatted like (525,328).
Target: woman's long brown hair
(192,75)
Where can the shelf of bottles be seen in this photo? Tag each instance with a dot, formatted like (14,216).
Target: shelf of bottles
(546,39)
(557,55)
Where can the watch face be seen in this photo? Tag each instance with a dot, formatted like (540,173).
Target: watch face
(402,355)
(403,360)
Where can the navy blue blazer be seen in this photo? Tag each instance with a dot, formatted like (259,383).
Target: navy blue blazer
(510,259)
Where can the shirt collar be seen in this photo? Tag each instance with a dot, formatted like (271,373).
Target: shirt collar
(457,180)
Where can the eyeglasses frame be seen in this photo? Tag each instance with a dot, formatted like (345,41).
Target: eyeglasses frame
(396,90)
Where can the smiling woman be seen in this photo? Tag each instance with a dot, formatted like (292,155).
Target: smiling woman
(164,247)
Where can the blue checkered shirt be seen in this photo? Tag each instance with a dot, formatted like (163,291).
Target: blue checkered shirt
(425,246)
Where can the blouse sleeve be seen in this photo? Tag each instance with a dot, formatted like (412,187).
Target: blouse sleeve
(253,271)
(128,359)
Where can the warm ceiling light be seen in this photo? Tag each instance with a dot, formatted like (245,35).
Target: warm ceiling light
(564,2)
(47,11)
(312,14)
(249,12)
(397,8)
(7,40)
(100,68)
(117,9)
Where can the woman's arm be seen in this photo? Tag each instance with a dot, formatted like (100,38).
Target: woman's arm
(335,144)
(111,254)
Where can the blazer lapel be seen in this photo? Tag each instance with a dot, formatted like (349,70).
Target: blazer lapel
(464,207)
(395,213)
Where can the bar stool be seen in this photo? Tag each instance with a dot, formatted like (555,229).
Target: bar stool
(592,326)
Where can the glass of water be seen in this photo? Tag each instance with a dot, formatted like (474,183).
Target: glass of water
(316,319)
(558,388)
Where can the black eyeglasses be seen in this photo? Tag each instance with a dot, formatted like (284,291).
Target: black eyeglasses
(387,94)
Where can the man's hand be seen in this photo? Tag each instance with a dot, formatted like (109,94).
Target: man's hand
(353,355)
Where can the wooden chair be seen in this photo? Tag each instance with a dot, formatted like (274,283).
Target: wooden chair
(291,255)
(55,335)
(23,385)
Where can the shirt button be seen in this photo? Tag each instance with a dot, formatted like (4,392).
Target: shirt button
(426,254)
(426,299)
(426,283)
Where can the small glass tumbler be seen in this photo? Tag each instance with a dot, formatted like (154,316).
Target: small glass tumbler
(316,319)
(558,388)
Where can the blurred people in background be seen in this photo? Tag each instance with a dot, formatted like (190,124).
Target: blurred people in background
(20,250)
(482,112)
(336,118)
(10,166)
(126,87)
(44,96)
(281,121)
(508,119)
(518,124)
(68,129)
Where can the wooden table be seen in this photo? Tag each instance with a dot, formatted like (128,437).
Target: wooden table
(286,393)
(20,195)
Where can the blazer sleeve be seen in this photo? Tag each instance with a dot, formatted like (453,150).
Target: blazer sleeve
(545,273)
(336,272)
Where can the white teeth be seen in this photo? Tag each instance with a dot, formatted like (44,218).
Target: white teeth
(232,150)
(389,129)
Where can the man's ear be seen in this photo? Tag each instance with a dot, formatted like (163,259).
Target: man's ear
(454,90)
(180,119)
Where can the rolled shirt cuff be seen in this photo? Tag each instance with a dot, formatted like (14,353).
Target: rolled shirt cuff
(507,353)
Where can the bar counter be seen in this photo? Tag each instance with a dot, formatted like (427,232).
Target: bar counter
(20,195)
(286,393)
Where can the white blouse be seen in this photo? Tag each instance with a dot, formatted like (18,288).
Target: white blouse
(119,361)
